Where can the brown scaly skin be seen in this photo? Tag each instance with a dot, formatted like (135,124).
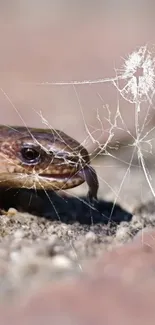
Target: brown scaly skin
(43,159)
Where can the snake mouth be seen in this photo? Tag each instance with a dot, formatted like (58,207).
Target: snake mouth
(59,176)
(52,182)
(70,180)
(41,182)
(67,175)
(58,182)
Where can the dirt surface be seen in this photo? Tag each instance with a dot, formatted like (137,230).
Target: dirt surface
(118,289)
(63,267)
(38,250)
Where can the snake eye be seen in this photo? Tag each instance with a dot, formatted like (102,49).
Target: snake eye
(30,155)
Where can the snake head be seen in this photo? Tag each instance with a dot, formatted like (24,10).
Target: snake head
(44,159)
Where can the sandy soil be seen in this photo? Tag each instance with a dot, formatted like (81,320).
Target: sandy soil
(35,250)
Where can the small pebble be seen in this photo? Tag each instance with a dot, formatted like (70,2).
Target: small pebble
(19,234)
(61,262)
(122,233)
(90,236)
(12,212)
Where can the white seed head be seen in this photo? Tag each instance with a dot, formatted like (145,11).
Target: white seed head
(138,77)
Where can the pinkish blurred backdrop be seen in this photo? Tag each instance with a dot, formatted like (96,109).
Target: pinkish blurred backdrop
(63,41)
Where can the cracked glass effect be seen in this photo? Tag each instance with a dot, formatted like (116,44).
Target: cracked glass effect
(138,73)
(134,81)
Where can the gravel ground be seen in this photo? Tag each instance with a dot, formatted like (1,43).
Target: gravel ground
(35,250)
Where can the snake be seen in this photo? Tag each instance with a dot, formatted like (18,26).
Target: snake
(34,158)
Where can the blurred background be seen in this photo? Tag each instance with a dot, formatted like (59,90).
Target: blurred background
(53,41)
